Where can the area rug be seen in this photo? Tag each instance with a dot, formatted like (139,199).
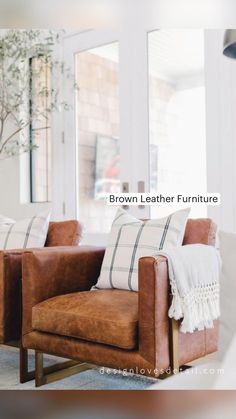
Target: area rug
(88,380)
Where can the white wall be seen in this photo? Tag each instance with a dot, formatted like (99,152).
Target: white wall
(221,130)
(12,204)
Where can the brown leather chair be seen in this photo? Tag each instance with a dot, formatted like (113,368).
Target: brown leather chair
(113,328)
(64,233)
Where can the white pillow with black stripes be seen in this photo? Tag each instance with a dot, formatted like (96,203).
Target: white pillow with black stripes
(27,233)
(131,239)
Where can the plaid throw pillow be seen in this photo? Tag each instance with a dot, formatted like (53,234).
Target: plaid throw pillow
(131,239)
(31,232)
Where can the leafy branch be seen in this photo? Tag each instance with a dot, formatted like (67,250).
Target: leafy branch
(27,95)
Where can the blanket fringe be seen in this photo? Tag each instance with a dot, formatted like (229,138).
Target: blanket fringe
(197,309)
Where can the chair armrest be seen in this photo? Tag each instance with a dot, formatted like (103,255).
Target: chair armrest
(154,324)
(10,275)
(10,294)
(154,295)
(57,271)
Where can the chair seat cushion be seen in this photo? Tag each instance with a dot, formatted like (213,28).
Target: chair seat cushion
(103,316)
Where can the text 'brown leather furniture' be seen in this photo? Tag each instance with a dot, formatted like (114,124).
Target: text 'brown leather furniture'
(64,233)
(114,328)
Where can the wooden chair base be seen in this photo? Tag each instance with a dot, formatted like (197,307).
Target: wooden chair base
(171,372)
(175,368)
(57,371)
(174,344)
(25,374)
(68,368)
(45,375)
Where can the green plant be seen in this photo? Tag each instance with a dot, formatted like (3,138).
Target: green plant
(23,103)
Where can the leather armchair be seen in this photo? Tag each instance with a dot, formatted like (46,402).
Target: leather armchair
(113,328)
(64,233)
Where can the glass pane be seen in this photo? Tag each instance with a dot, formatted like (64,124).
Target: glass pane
(177,114)
(40,131)
(97,113)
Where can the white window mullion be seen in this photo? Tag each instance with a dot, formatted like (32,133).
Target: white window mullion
(134,110)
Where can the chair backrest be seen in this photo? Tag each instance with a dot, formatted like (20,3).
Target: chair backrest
(68,233)
(64,233)
(200,230)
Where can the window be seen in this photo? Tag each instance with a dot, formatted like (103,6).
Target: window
(97,115)
(40,131)
(122,140)
(177,113)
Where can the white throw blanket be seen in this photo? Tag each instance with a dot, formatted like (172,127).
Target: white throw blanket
(194,278)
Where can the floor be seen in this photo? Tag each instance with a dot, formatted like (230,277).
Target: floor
(88,380)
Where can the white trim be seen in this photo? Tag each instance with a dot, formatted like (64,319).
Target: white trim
(134,128)
(80,42)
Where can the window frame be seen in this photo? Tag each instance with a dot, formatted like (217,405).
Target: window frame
(32,173)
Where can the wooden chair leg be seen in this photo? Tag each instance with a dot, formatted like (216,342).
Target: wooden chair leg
(23,364)
(39,377)
(57,371)
(25,374)
(173,350)
(174,345)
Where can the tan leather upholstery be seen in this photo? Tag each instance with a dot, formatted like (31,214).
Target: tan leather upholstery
(104,316)
(202,230)
(96,353)
(154,297)
(50,274)
(10,301)
(57,272)
(81,350)
(154,301)
(153,311)
(65,233)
